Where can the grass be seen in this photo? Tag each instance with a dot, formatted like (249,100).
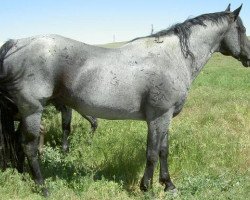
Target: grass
(209,148)
(113,45)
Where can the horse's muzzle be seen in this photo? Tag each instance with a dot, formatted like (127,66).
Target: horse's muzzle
(244,60)
(246,63)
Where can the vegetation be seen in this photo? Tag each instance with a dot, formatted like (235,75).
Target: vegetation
(113,45)
(209,148)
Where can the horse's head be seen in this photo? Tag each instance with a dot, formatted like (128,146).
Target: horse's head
(235,42)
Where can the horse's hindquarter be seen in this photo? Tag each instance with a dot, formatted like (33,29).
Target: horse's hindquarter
(43,61)
(34,59)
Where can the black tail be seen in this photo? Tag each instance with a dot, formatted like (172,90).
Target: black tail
(10,145)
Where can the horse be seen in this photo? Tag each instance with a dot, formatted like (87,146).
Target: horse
(147,79)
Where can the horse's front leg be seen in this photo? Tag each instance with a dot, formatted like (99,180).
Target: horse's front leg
(164,173)
(157,126)
(31,131)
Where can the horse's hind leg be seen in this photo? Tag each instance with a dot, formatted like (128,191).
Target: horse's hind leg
(19,150)
(66,125)
(92,121)
(31,119)
(157,126)
(66,128)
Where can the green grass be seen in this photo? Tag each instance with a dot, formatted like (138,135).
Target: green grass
(113,45)
(209,148)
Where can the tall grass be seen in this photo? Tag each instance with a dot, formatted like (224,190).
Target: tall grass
(209,148)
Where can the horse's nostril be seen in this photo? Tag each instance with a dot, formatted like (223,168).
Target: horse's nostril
(246,63)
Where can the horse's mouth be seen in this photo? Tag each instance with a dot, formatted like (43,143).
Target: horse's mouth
(245,61)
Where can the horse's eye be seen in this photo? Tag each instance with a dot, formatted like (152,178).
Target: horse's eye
(241,28)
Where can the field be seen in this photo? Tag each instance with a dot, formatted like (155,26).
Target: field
(209,148)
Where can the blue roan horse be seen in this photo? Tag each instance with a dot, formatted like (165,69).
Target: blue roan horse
(146,79)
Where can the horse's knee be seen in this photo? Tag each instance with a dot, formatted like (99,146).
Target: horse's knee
(163,153)
(152,157)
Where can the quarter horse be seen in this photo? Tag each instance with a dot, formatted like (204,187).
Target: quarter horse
(147,79)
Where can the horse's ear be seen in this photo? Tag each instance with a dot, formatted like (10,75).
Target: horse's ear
(236,12)
(228,8)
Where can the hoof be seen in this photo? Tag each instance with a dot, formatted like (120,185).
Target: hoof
(143,186)
(45,192)
(170,187)
(174,192)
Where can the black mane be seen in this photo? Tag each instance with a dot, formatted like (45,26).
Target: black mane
(183,30)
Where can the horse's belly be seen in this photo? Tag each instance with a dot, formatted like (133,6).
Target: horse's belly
(111,105)
(111,113)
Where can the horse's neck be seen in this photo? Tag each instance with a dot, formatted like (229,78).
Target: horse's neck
(204,41)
